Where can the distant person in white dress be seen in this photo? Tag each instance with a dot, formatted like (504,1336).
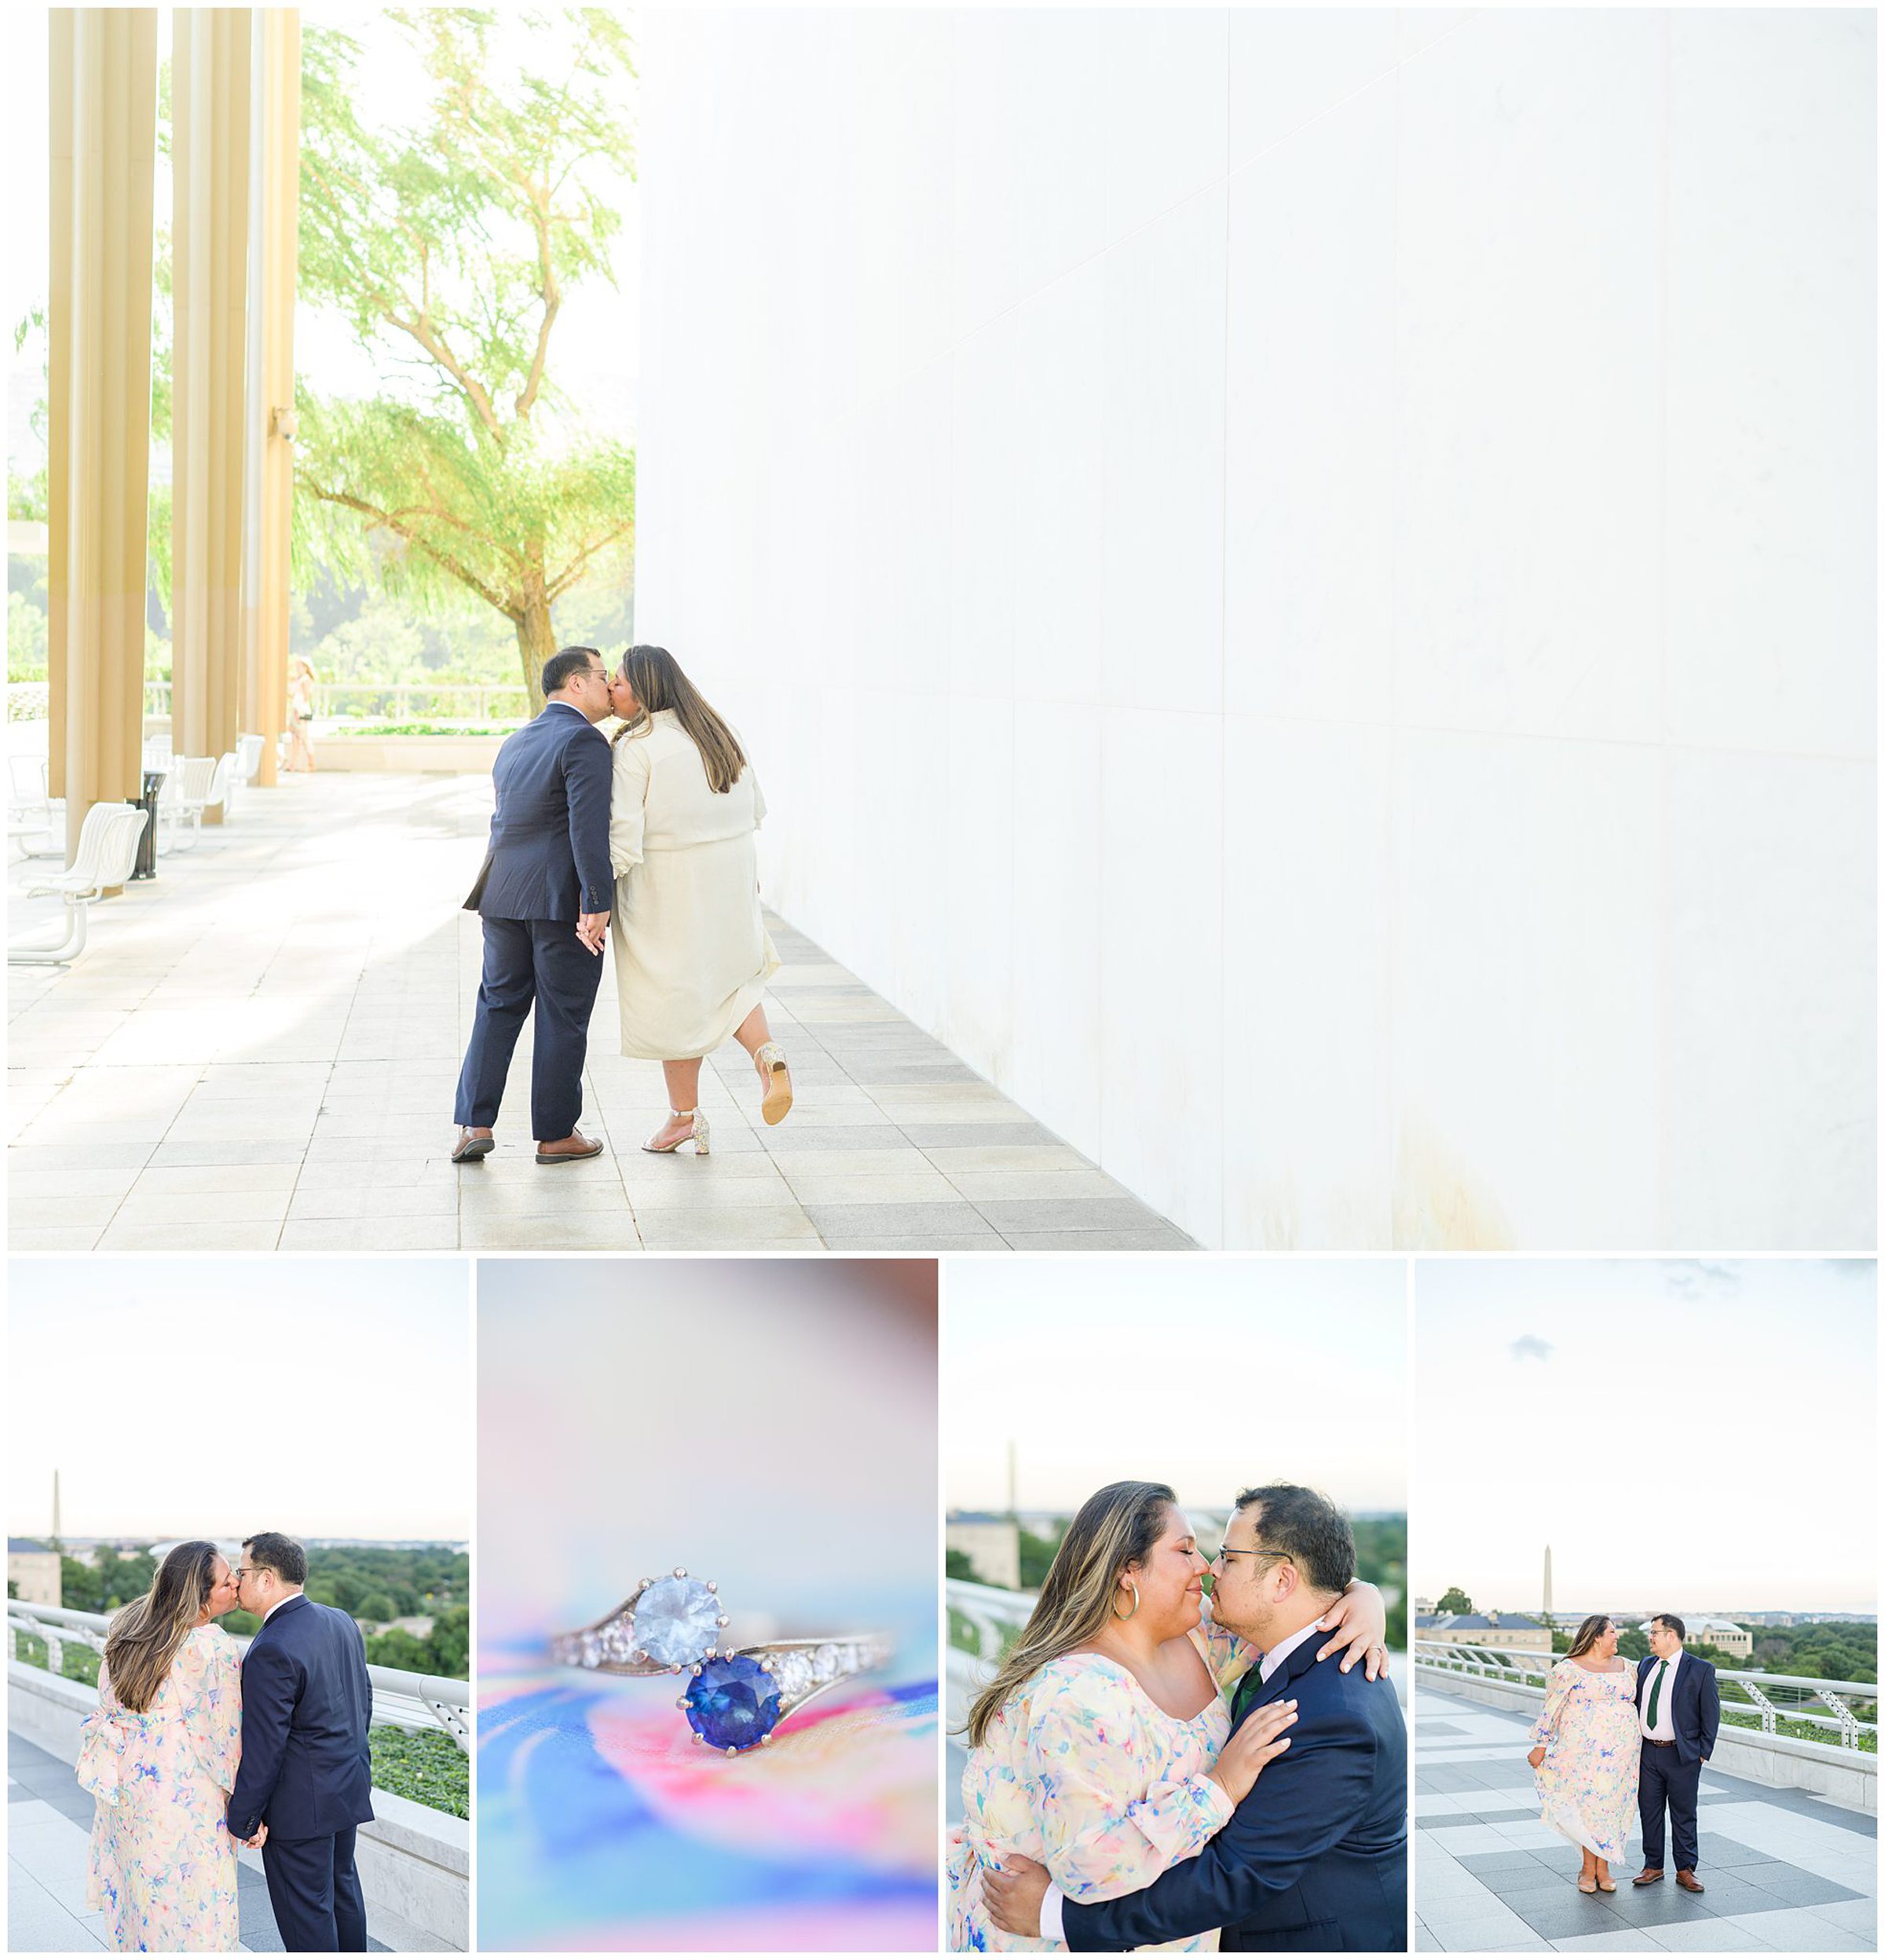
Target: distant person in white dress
(300,714)
(692,954)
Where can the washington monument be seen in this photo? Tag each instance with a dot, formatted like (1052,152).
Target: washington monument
(1548,1612)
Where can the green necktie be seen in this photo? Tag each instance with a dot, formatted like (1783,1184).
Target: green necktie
(1655,1688)
(1247,1693)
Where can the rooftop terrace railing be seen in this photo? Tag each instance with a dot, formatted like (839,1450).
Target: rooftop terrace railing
(1798,1705)
(402,1699)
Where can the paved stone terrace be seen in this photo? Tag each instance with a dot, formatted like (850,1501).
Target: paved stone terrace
(258,1050)
(49,1821)
(1783,1872)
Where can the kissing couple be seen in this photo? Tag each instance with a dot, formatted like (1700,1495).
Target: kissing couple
(1150,1767)
(644,841)
(195,1747)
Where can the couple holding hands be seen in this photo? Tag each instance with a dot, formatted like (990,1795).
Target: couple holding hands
(644,842)
(195,1747)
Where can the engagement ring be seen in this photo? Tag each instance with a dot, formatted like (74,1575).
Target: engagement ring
(739,1693)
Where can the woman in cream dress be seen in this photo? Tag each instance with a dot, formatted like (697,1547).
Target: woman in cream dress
(692,954)
(158,1758)
(1098,1750)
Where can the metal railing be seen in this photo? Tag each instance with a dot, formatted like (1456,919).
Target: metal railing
(474,703)
(471,701)
(1757,1702)
(402,1699)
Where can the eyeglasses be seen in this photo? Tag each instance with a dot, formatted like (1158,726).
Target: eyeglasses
(1254,1552)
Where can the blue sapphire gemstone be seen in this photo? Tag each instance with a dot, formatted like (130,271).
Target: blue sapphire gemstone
(732,1703)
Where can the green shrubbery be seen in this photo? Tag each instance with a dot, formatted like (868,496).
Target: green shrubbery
(78,1663)
(425,1765)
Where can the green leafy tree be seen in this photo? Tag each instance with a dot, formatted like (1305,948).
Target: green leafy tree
(1037,1554)
(375,1606)
(1453,1600)
(448,249)
(958,1564)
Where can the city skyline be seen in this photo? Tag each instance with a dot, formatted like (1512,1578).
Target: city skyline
(184,1373)
(1638,1416)
(1100,1371)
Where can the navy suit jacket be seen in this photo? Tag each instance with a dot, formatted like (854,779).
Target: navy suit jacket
(549,852)
(306,1770)
(1314,1860)
(1698,1705)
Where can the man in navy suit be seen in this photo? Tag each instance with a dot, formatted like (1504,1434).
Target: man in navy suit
(1678,1707)
(544,895)
(307,1772)
(1315,1859)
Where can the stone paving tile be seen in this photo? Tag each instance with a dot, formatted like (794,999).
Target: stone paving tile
(988,1241)
(1713,1935)
(1760,1894)
(256,1051)
(1166,1239)
(420,1234)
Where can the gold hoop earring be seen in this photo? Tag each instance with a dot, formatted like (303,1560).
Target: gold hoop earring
(1117,1614)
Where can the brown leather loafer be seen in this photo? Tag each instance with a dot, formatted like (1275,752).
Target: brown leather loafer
(1649,1875)
(1688,1882)
(469,1148)
(579,1147)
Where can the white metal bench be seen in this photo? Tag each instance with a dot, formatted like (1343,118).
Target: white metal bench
(107,852)
(32,819)
(203,782)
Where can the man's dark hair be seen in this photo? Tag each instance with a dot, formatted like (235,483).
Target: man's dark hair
(564,665)
(1674,1625)
(1304,1523)
(282,1554)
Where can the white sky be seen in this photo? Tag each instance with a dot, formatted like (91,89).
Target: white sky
(211,1397)
(1201,1372)
(1697,1435)
(596,348)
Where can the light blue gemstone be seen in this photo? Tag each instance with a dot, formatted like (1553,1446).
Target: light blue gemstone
(676,1621)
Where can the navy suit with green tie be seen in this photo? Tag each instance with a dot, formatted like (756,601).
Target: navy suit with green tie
(1671,1773)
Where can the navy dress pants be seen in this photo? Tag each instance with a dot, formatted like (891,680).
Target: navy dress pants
(1665,1778)
(539,963)
(315,1891)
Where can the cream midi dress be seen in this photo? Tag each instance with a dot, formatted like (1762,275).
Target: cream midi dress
(692,952)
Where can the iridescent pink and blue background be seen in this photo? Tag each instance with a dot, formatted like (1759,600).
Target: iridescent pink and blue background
(770,1424)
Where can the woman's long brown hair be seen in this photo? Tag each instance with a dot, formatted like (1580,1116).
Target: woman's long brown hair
(143,1638)
(1589,1633)
(1117,1527)
(656,676)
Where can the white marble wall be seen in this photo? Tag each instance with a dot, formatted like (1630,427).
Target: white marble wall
(1303,584)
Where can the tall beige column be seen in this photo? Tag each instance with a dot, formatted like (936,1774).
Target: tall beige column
(210,88)
(104,144)
(272,403)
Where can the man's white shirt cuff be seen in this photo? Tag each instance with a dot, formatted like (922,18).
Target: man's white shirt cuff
(1051,1928)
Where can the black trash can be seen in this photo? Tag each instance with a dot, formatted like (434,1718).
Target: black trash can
(146,866)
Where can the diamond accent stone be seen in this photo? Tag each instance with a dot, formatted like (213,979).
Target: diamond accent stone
(794,1673)
(677,1621)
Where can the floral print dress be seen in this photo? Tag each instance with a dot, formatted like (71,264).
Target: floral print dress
(1594,1748)
(1084,1773)
(163,1864)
